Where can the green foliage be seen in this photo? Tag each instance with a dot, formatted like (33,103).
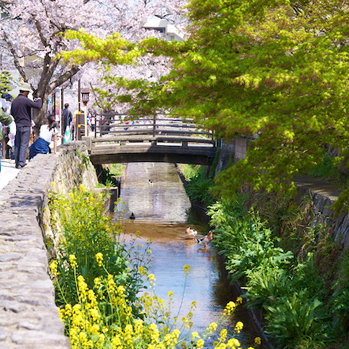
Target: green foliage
(118,170)
(113,49)
(297,322)
(246,242)
(266,286)
(199,186)
(291,294)
(190,171)
(85,159)
(5,81)
(327,169)
(275,69)
(86,231)
(340,297)
(107,178)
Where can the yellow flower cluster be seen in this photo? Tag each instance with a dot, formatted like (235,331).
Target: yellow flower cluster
(90,328)
(239,326)
(99,258)
(72,261)
(53,268)
(229,308)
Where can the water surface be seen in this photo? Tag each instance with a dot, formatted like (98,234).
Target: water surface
(154,193)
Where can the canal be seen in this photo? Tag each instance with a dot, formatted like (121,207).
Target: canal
(154,194)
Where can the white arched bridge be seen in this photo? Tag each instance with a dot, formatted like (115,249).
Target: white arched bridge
(118,139)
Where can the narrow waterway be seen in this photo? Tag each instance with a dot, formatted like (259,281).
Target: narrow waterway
(155,195)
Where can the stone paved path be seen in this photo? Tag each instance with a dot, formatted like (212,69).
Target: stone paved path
(8,172)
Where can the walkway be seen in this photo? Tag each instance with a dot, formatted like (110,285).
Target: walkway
(8,172)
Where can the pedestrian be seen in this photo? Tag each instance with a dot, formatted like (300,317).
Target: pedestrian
(48,133)
(5,120)
(67,118)
(73,127)
(4,129)
(8,132)
(21,111)
(93,123)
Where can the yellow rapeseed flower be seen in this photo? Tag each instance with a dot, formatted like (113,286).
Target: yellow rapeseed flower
(186,269)
(53,268)
(223,335)
(142,271)
(233,343)
(229,308)
(72,260)
(238,327)
(200,343)
(99,258)
(194,335)
(239,300)
(258,340)
(212,327)
(151,277)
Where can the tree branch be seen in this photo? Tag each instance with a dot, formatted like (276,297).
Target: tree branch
(41,34)
(16,58)
(63,78)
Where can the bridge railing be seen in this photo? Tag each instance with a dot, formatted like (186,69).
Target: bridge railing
(123,125)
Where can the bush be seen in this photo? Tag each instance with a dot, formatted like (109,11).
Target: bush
(297,322)
(86,232)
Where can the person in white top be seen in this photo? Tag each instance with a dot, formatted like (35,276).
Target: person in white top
(48,133)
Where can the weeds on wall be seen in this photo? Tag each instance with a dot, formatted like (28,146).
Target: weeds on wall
(199,184)
(299,308)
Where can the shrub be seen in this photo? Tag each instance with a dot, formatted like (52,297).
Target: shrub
(85,232)
(297,322)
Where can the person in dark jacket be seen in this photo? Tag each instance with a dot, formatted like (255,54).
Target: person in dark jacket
(21,111)
(67,118)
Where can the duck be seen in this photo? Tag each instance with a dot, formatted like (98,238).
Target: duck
(132,216)
(206,239)
(191,232)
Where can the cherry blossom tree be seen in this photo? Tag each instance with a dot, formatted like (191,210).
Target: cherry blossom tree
(33,33)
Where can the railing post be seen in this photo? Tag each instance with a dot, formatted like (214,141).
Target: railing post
(154,125)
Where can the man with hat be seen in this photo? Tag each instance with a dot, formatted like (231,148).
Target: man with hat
(21,111)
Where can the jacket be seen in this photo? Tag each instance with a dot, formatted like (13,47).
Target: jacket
(21,109)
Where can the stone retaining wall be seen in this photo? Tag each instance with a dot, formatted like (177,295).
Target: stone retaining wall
(323,196)
(28,314)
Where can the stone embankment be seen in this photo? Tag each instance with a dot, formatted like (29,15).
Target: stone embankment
(323,195)
(28,314)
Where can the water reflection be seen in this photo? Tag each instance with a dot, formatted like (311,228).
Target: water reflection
(161,210)
(163,199)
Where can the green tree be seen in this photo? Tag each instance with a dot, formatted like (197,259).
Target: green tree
(275,68)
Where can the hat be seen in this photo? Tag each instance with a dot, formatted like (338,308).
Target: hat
(7,96)
(25,87)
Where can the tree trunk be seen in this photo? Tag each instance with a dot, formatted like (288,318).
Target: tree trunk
(39,115)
